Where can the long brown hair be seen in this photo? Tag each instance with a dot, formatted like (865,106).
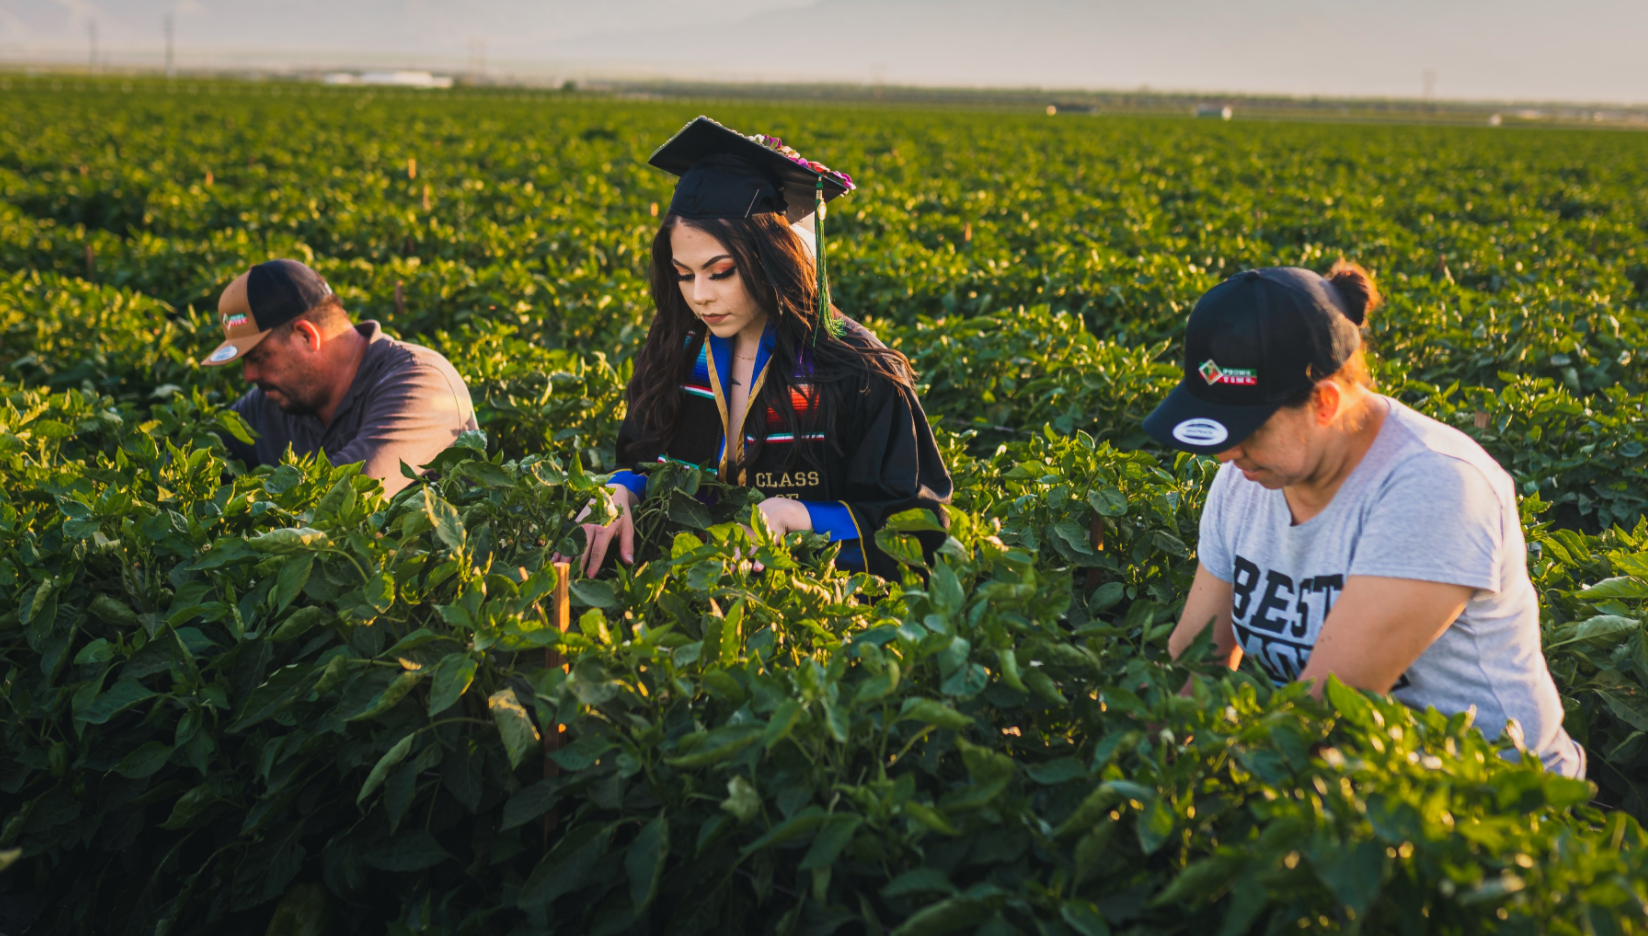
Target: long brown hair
(777,268)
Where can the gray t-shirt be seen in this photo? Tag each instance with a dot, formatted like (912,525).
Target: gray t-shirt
(1426,503)
(406,404)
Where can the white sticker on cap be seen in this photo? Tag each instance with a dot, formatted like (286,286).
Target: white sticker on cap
(228,351)
(1201,431)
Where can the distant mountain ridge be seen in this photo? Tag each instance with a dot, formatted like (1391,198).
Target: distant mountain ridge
(1512,49)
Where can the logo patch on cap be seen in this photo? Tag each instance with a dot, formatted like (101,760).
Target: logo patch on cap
(1214,374)
(230,321)
(228,351)
(1201,431)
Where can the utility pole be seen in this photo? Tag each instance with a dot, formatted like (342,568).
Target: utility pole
(91,37)
(171,70)
(1428,81)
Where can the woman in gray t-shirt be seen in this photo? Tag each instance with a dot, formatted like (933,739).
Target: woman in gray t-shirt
(1346,533)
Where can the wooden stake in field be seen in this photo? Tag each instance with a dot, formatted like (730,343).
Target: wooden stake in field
(411,167)
(554,735)
(91,264)
(426,196)
(1095,535)
(400,302)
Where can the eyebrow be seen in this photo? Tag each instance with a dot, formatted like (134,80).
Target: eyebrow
(707,263)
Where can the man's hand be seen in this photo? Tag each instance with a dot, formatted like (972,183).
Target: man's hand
(598,538)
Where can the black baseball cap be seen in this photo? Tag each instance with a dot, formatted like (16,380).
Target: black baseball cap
(275,293)
(1252,343)
(725,174)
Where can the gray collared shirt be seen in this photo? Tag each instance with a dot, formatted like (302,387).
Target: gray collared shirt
(406,404)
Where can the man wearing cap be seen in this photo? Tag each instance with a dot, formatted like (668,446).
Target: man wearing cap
(1346,534)
(326,384)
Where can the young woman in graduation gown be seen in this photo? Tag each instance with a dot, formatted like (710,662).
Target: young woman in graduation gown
(742,375)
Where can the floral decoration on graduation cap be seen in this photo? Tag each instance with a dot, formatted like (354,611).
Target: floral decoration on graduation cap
(726,174)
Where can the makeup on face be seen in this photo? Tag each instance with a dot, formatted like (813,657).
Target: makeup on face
(710,282)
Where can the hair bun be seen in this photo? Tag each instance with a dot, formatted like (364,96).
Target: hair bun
(1355,287)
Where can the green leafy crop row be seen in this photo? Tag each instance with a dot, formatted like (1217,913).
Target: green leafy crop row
(275,700)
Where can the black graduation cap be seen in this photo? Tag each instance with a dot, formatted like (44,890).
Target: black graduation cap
(725,174)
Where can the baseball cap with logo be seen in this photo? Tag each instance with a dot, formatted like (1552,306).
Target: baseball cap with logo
(275,293)
(1254,342)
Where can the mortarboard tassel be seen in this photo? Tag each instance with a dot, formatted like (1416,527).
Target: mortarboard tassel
(826,320)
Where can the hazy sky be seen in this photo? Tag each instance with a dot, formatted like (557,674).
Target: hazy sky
(1588,50)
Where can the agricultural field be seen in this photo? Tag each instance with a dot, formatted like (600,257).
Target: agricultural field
(276,701)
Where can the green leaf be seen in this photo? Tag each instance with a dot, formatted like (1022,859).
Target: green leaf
(386,763)
(146,761)
(411,849)
(798,825)
(189,806)
(1624,586)
(1042,687)
(946,916)
(1054,772)
(285,685)
(644,862)
(584,752)
(783,721)
(520,736)
(379,591)
(449,680)
(391,694)
(1352,705)
(901,546)
(918,881)
(339,499)
(983,764)
(300,622)
(113,611)
(289,541)
(1601,628)
(1170,544)
(445,520)
(915,521)
(718,744)
(305,909)
(828,844)
(1353,872)
(931,712)
(1155,824)
(1107,502)
(1074,536)
(528,803)
(732,635)
(1201,881)
(1084,917)
(562,871)
(124,694)
(293,576)
(595,594)
(98,651)
(946,591)
(929,817)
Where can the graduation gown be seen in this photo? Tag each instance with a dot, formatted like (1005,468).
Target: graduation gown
(877,459)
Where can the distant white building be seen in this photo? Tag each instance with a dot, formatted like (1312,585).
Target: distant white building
(1214,110)
(398,79)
